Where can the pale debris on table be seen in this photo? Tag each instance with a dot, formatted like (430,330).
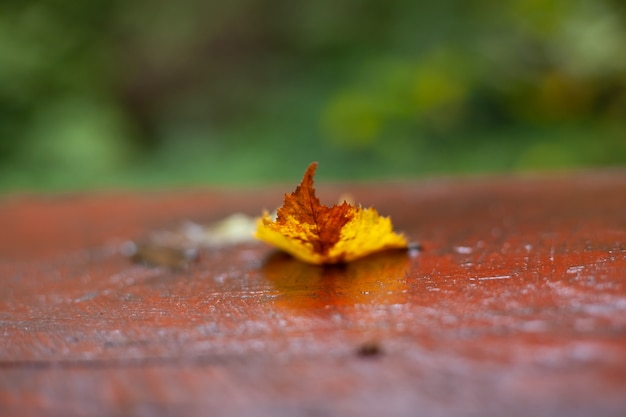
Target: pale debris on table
(177,247)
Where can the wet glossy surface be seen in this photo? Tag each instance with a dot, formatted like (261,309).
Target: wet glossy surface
(516,303)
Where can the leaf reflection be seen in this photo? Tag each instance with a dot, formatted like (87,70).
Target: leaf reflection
(378,279)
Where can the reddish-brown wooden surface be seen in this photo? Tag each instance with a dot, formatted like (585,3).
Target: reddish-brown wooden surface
(515,306)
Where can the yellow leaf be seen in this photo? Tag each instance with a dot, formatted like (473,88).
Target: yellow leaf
(319,234)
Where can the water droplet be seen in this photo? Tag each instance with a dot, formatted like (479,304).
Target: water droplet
(575,269)
(463,249)
(219,278)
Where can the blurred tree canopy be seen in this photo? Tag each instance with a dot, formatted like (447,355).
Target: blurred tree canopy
(140,93)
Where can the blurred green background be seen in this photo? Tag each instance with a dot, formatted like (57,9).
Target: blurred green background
(156,93)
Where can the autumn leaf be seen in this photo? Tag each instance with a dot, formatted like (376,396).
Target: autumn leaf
(319,234)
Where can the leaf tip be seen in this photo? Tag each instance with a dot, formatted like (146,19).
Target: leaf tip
(309,174)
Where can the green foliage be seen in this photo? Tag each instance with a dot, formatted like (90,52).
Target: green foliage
(155,93)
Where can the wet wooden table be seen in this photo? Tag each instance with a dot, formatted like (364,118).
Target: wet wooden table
(516,305)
